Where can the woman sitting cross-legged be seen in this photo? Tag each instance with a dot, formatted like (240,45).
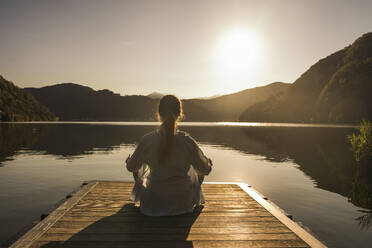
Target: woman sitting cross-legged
(168,166)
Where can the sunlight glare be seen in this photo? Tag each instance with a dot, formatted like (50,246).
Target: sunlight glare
(239,54)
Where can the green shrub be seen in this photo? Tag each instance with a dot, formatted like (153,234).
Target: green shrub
(361,143)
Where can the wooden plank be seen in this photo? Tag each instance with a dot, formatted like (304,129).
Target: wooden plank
(119,210)
(110,193)
(118,205)
(228,209)
(164,237)
(214,202)
(205,218)
(177,244)
(101,188)
(118,184)
(215,195)
(139,229)
(223,223)
(221,213)
(207,197)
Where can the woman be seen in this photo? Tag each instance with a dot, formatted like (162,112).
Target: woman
(168,166)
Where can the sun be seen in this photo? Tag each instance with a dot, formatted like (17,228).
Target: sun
(238,53)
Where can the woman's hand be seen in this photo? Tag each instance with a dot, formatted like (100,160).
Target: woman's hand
(210,162)
(126,161)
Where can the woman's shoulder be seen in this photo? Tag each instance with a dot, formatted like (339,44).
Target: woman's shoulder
(186,137)
(182,134)
(149,137)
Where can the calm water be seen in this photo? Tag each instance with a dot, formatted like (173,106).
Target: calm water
(308,171)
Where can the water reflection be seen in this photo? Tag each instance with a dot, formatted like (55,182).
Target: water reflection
(65,141)
(322,153)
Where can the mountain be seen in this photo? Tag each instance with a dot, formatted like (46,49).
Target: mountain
(336,89)
(229,107)
(77,102)
(155,95)
(17,104)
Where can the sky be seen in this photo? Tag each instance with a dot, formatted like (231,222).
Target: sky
(187,48)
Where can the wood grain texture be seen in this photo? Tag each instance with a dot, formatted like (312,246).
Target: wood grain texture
(103,216)
(175,244)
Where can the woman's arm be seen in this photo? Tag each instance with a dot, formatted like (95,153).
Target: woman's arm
(135,161)
(199,161)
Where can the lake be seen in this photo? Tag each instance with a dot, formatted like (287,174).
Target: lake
(307,170)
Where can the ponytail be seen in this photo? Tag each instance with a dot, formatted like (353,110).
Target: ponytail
(167,132)
(170,109)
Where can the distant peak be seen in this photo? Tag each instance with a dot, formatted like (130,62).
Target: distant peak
(64,86)
(155,95)
(69,84)
(277,82)
(208,97)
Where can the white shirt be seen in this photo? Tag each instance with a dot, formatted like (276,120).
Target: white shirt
(173,187)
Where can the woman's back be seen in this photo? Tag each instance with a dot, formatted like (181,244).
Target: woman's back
(170,187)
(182,153)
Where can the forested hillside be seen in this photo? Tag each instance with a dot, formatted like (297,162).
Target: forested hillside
(76,102)
(229,107)
(17,104)
(337,89)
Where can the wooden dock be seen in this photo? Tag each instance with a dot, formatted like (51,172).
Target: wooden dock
(101,215)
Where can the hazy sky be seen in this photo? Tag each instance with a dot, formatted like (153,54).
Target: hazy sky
(188,48)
